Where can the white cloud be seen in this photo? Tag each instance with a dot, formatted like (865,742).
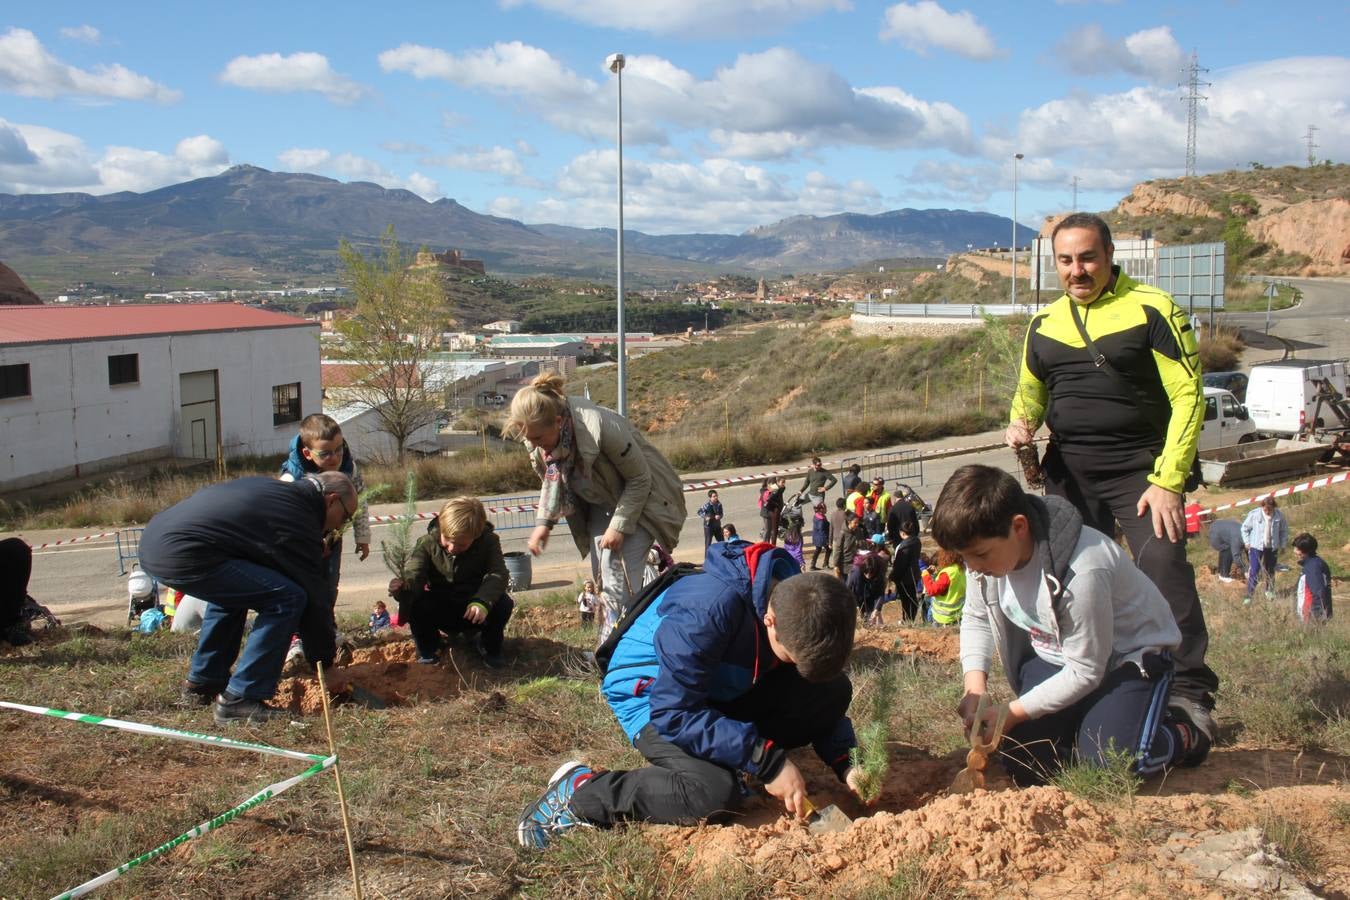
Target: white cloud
(690,18)
(14,150)
(501,161)
(1153,53)
(299,72)
(57,162)
(85,34)
(949,181)
(773,103)
(925,24)
(303,159)
(1254,112)
(404,147)
(717,195)
(28,69)
(353,167)
(133,169)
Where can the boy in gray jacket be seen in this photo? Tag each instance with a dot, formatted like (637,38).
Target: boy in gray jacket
(1083,635)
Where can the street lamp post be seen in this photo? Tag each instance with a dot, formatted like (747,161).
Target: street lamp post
(615,64)
(1016,157)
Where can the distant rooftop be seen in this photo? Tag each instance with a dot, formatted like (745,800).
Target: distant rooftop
(67,324)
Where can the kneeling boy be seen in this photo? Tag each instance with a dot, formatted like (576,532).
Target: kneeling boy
(719,675)
(1083,635)
(456,582)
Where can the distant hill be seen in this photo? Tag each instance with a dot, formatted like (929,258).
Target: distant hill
(249,226)
(815,243)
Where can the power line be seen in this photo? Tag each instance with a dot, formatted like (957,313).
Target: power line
(1312,157)
(1192,100)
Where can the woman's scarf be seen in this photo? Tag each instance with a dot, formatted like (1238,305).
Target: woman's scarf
(557,499)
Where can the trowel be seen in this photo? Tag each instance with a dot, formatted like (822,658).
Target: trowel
(981,747)
(824,821)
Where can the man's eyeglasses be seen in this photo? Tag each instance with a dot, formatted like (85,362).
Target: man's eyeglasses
(350,513)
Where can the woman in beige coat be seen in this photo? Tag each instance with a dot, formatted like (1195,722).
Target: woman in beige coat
(616,491)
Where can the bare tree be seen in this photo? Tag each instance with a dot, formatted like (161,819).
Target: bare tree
(388,341)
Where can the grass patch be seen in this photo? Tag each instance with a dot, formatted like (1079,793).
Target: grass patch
(1113,782)
(1292,843)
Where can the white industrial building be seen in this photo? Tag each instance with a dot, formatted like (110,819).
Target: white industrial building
(85,389)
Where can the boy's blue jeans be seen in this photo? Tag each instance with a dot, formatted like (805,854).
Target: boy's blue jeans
(230,590)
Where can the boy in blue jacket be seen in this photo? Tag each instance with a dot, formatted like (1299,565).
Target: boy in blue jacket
(719,675)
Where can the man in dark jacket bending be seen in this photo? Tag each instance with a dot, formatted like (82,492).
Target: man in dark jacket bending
(720,675)
(253,543)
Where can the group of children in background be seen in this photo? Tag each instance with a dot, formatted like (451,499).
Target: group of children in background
(1255,544)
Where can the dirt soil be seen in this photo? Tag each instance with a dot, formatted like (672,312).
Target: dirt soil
(1038,841)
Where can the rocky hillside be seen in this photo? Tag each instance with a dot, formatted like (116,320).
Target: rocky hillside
(13,292)
(1293,220)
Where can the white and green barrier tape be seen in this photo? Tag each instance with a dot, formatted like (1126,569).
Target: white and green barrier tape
(317,762)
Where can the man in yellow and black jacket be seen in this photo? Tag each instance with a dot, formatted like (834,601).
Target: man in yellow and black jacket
(1124,408)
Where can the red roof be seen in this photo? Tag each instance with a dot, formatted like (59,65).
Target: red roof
(66,324)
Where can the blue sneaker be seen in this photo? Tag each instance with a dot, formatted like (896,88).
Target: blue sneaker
(550,815)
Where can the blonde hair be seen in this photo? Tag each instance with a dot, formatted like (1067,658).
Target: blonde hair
(540,403)
(462,516)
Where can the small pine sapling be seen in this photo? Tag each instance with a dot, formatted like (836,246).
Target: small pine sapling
(398,548)
(871,758)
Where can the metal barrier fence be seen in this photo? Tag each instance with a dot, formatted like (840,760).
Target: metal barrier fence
(893,465)
(942,310)
(512,512)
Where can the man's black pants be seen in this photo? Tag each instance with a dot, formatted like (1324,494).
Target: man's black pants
(433,613)
(680,789)
(16,565)
(1105,487)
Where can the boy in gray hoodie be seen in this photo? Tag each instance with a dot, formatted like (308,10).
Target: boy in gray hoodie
(1083,635)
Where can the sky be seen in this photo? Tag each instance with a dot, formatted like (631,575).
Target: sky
(736,113)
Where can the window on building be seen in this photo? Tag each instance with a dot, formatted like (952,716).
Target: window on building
(286,403)
(124,369)
(14,381)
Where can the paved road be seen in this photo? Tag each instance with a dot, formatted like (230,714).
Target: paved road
(81,584)
(1319,327)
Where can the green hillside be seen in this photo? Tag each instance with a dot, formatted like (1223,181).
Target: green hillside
(779,391)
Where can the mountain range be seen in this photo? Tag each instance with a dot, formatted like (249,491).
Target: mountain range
(251,226)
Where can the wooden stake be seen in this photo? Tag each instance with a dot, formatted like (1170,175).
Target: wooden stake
(927,383)
(337,774)
(982,390)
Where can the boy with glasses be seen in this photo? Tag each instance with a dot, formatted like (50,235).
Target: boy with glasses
(320,447)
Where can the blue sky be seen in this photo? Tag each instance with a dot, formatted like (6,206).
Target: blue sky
(736,114)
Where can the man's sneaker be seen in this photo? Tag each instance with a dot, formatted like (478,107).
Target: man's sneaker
(494,660)
(428,660)
(241,709)
(1225,579)
(193,696)
(1195,717)
(551,815)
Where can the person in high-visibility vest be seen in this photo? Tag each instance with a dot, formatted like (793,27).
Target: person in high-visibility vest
(945,583)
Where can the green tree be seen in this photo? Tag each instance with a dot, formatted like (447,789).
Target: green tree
(388,341)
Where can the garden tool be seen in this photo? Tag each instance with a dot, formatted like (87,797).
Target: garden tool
(823,821)
(981,746)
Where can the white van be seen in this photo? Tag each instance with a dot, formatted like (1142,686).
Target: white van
(1226,421)
(1280,395)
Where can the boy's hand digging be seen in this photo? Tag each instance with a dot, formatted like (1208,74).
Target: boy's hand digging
(789,786)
